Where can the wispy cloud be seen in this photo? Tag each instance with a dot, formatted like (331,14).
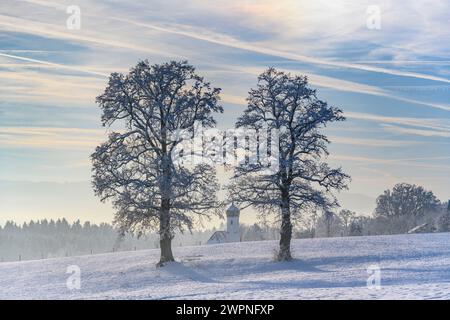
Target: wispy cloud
(44,66)
(50,138)
(57,65)
(417,132)
(333,83)
(373,143)
(436,124)
(412,162)
(203,34)
(47,87)
(228,41)
(15,24)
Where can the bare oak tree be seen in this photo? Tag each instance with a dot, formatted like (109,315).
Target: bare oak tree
(135,168)
(406,200)
(303,180)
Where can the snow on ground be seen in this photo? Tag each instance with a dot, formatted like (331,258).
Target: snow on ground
(412,267)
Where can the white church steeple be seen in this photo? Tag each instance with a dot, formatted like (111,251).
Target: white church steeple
(232,234)
(233,224)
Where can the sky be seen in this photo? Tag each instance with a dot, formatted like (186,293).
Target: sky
(385,63)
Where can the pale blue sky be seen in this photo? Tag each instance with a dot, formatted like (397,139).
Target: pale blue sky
(392,83)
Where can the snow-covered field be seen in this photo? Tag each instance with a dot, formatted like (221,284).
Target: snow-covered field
(411,267)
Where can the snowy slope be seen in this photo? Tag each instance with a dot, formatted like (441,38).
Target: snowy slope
(412,267)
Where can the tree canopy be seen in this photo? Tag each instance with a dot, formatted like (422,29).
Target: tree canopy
(406,200)
(303,180)
(135,168)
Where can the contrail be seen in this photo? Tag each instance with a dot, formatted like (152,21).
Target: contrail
(54,64)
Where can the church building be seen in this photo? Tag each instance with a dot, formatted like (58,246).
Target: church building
(233,233)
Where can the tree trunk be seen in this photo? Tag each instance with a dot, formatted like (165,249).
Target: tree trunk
(165,234)
(166,250)
(284,254)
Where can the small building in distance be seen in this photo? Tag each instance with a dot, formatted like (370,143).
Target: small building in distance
(232,234)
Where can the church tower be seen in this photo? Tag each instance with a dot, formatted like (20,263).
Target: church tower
(233,232)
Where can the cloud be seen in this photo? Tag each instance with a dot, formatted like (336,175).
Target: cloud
(257,11)
(51,138)
(337,84)
(417,132)
(289,9)
(15,24)
(50,88)
(436,124)
(372,143)
(325,40)
(52,64)
(228,41)
(412,162)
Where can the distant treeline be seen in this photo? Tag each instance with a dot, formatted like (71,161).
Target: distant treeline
(405,208)
(48,238)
